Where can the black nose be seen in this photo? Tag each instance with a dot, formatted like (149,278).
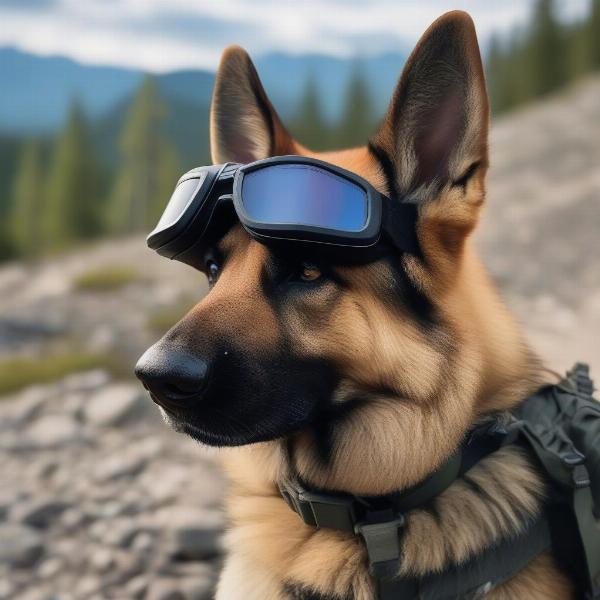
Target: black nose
(172,377)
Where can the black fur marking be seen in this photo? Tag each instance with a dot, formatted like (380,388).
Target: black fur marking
(488,498)
(435,513)
(408,295)
(326,424)
(464,178)
(387,166)
(297,591)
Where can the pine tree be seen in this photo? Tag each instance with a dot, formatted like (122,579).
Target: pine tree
(27,198)
(309,125)
(546,50)
(71,209)
(356,124)
(592,34)
(149,167)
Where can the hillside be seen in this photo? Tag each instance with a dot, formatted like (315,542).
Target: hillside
(101,500)
(540,228)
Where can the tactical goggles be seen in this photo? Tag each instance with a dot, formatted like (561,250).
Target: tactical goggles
(303,203)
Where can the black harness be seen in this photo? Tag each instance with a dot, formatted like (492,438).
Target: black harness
(560,426)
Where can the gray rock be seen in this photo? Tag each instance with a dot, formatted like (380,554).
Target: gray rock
(39,513)
(20,546)
(164,589)
(195,535)
(137,586)
(18,410)
(102,559)
(6,589)
(99,530)
(121,465)
(143,542)
(73,519)
(196,579)
(52,431)
(45,468)
(50,567)
(115,404)
(128,565)
(87,381)
(121,533)
(87,585)
(35,594)
(200,587)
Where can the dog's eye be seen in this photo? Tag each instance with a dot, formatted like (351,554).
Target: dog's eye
(212,272)
(309,272)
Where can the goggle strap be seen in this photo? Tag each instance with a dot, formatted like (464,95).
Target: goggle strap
(400,224)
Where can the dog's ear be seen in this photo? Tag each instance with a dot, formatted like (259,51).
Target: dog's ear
(244,126)
(435,131)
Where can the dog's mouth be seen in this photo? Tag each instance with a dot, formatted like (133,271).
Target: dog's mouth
(213,428)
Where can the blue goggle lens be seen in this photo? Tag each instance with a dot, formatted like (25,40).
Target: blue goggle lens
(296,194)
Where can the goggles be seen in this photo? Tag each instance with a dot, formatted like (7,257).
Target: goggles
(303,203)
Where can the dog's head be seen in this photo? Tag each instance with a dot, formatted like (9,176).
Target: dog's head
(285,344)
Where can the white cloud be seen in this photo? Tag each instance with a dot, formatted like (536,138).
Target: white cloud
(161,35)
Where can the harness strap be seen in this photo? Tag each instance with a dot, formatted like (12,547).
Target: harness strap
(345,512)
(476,577)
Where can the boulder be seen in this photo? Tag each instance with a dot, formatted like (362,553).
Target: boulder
(20,546)
(39,513)
(194,534)
(52,431)
(164,589)
(115,404)
(87,381)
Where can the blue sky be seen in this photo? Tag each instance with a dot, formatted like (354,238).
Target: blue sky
(164,35)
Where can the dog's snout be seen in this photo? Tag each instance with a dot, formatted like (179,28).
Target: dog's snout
(172,377)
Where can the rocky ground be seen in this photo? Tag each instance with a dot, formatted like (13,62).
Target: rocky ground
(99,499)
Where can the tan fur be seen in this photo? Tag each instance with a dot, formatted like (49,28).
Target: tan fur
(237,300)
(439,382)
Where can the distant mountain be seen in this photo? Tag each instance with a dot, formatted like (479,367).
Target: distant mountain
(37,90)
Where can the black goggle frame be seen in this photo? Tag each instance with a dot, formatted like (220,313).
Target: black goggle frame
(216,203)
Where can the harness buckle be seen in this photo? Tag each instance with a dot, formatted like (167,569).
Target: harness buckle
(383,544)
(334,511)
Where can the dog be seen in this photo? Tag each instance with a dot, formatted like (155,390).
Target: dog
(363,378)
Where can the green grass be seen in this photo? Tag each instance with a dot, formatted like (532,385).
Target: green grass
(17,373)
(161,320)
(106,278)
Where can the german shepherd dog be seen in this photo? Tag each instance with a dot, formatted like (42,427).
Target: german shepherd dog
(362,379)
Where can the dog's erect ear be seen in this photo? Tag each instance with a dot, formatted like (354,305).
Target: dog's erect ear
(435,130)
(244,126)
